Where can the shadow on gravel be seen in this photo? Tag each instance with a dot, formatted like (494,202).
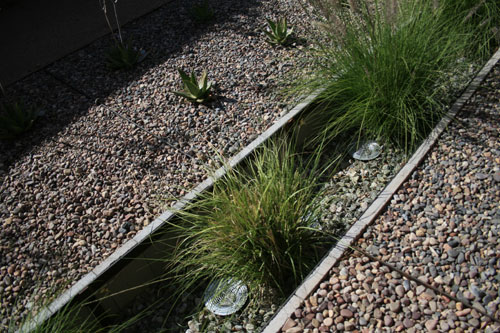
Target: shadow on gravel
(168,31)
(467,121)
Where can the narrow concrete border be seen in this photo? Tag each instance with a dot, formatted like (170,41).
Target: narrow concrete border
(320,271)
(146,233)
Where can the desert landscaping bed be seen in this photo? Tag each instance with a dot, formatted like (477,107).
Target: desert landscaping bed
(91,177)
(86,179)
(347,195)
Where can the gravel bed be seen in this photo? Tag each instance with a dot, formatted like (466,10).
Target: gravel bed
(72,200)
(232,49)
(85,180)
(442,227)
(444,224)
(351,190)
(365,296)
(348,193)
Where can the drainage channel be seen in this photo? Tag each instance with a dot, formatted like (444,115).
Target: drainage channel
(311,283)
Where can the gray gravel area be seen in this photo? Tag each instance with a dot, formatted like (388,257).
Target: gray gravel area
(351,190)
(85,180)
(441,227)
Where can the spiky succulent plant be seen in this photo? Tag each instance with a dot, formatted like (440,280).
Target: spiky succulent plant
(123,56)
(278,32)
(15,119)
(197,91)
(201,13)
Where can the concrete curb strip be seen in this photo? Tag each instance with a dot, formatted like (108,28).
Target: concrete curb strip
(317,275)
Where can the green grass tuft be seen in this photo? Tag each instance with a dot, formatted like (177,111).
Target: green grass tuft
(385,67)
(254,226)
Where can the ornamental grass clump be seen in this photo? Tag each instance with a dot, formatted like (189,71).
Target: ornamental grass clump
(383,65)
(73,317)
(481,18)
(70,320)
(255,226)
(66,320)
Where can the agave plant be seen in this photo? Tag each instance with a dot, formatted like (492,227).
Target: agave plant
(197,91)
(278,32)
(124,56)
(16,119)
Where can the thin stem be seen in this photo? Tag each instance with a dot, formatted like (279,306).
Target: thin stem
(117,22)
(105,10)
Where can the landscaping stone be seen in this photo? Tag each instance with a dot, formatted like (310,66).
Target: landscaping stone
(380,307)
(442,228)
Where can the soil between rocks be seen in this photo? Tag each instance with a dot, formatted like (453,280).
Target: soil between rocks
(85,180)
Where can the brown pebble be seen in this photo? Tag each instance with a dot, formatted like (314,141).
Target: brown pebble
(407,323)
(346,313)
(288,324)
(463,312)
(431,324)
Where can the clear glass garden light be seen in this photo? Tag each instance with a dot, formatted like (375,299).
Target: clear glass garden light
(225,297)
(367,151)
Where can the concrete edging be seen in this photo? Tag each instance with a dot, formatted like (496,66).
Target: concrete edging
(145,234)
(377,206)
